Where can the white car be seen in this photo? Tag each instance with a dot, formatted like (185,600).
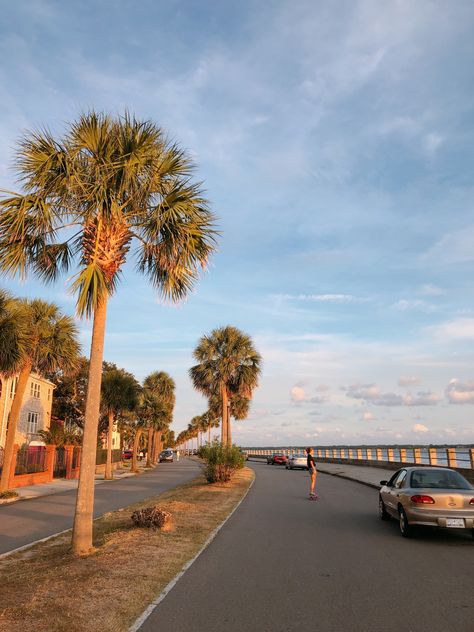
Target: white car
(297,461)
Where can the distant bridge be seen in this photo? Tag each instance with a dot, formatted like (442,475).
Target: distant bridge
(460,457)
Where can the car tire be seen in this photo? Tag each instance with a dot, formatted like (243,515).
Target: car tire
(405,529)
(383,514)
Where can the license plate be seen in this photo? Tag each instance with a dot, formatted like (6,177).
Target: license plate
(455,522)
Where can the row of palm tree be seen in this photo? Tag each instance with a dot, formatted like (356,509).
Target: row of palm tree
(34,336)
(108,187)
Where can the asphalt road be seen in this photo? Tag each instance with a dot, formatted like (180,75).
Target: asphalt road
(285,564)
(26,521)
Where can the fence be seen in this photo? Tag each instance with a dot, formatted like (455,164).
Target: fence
(60,463)
(101,457)
(460,457)
(31,466)
(31,460)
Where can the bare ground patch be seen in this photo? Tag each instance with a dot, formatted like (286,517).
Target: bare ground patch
(46,589)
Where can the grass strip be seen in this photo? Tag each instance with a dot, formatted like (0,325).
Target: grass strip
(47,589)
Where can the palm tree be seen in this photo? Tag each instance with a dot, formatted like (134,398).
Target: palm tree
(228,366)
(109,185)
(13,334)
(119,394)
(161,386)
(51,343)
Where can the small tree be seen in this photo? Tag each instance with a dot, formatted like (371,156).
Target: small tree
(119,394)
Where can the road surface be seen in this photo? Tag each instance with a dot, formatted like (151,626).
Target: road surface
(285,564)
(26,521)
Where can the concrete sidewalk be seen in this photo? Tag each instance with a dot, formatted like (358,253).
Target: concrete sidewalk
(367,475)
(59,485)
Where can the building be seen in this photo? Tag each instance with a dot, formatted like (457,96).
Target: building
(35,412)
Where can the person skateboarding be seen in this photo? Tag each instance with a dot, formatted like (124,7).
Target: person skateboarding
(312,472)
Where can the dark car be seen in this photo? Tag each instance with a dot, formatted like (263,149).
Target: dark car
(277,459)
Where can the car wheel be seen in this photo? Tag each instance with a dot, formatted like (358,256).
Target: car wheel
(383,514)
(405,528)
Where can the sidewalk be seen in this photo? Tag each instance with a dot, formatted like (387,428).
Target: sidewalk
(22,523)
(367,475)
(59,485)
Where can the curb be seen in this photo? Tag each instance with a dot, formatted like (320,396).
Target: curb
(349,478)
(148,611)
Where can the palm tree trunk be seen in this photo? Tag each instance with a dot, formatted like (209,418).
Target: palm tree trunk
(13,424)
(158,445)
(229,428)
(149,448)
(82,530)
(108,466)
(224,415)
(209,434)
(136,447)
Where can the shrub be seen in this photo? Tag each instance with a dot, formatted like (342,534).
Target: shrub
(9,493)
(151,517)
(221,462)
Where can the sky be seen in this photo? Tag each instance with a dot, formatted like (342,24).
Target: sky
(335,144)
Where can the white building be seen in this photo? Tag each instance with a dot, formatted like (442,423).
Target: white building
(35,412)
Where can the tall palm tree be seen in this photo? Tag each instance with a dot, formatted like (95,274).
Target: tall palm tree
(228,366)
(51,344)
(111,184)
(162,387)
(119,393)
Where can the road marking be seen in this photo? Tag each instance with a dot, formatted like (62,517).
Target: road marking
(155,603)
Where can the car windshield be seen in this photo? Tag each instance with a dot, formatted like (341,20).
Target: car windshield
(438,479)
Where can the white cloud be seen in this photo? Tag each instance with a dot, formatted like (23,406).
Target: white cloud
(368,416)
(372,394)
(420,428)
(323,298)
(456,329)
(428,289)
(460,392)
(298,395)
(404,305)
(454,247)
(407,380)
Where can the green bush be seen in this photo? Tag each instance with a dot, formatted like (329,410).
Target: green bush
(221,462)
(9,493)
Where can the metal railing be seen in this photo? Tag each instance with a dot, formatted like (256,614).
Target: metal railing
(101,457)
(31,460)
(445,456)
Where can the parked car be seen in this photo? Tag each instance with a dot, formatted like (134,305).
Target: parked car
(277,459)
(428,496)
(167,456)
(127,454)
(297,461)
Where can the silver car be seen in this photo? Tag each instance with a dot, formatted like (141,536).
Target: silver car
(427,496)
(297,461)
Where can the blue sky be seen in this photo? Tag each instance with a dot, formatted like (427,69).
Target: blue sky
(335,141)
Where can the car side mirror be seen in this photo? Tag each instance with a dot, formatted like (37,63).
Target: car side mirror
(382,483)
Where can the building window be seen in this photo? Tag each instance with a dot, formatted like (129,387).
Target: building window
(35,390)
(13,385)
(32,423)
